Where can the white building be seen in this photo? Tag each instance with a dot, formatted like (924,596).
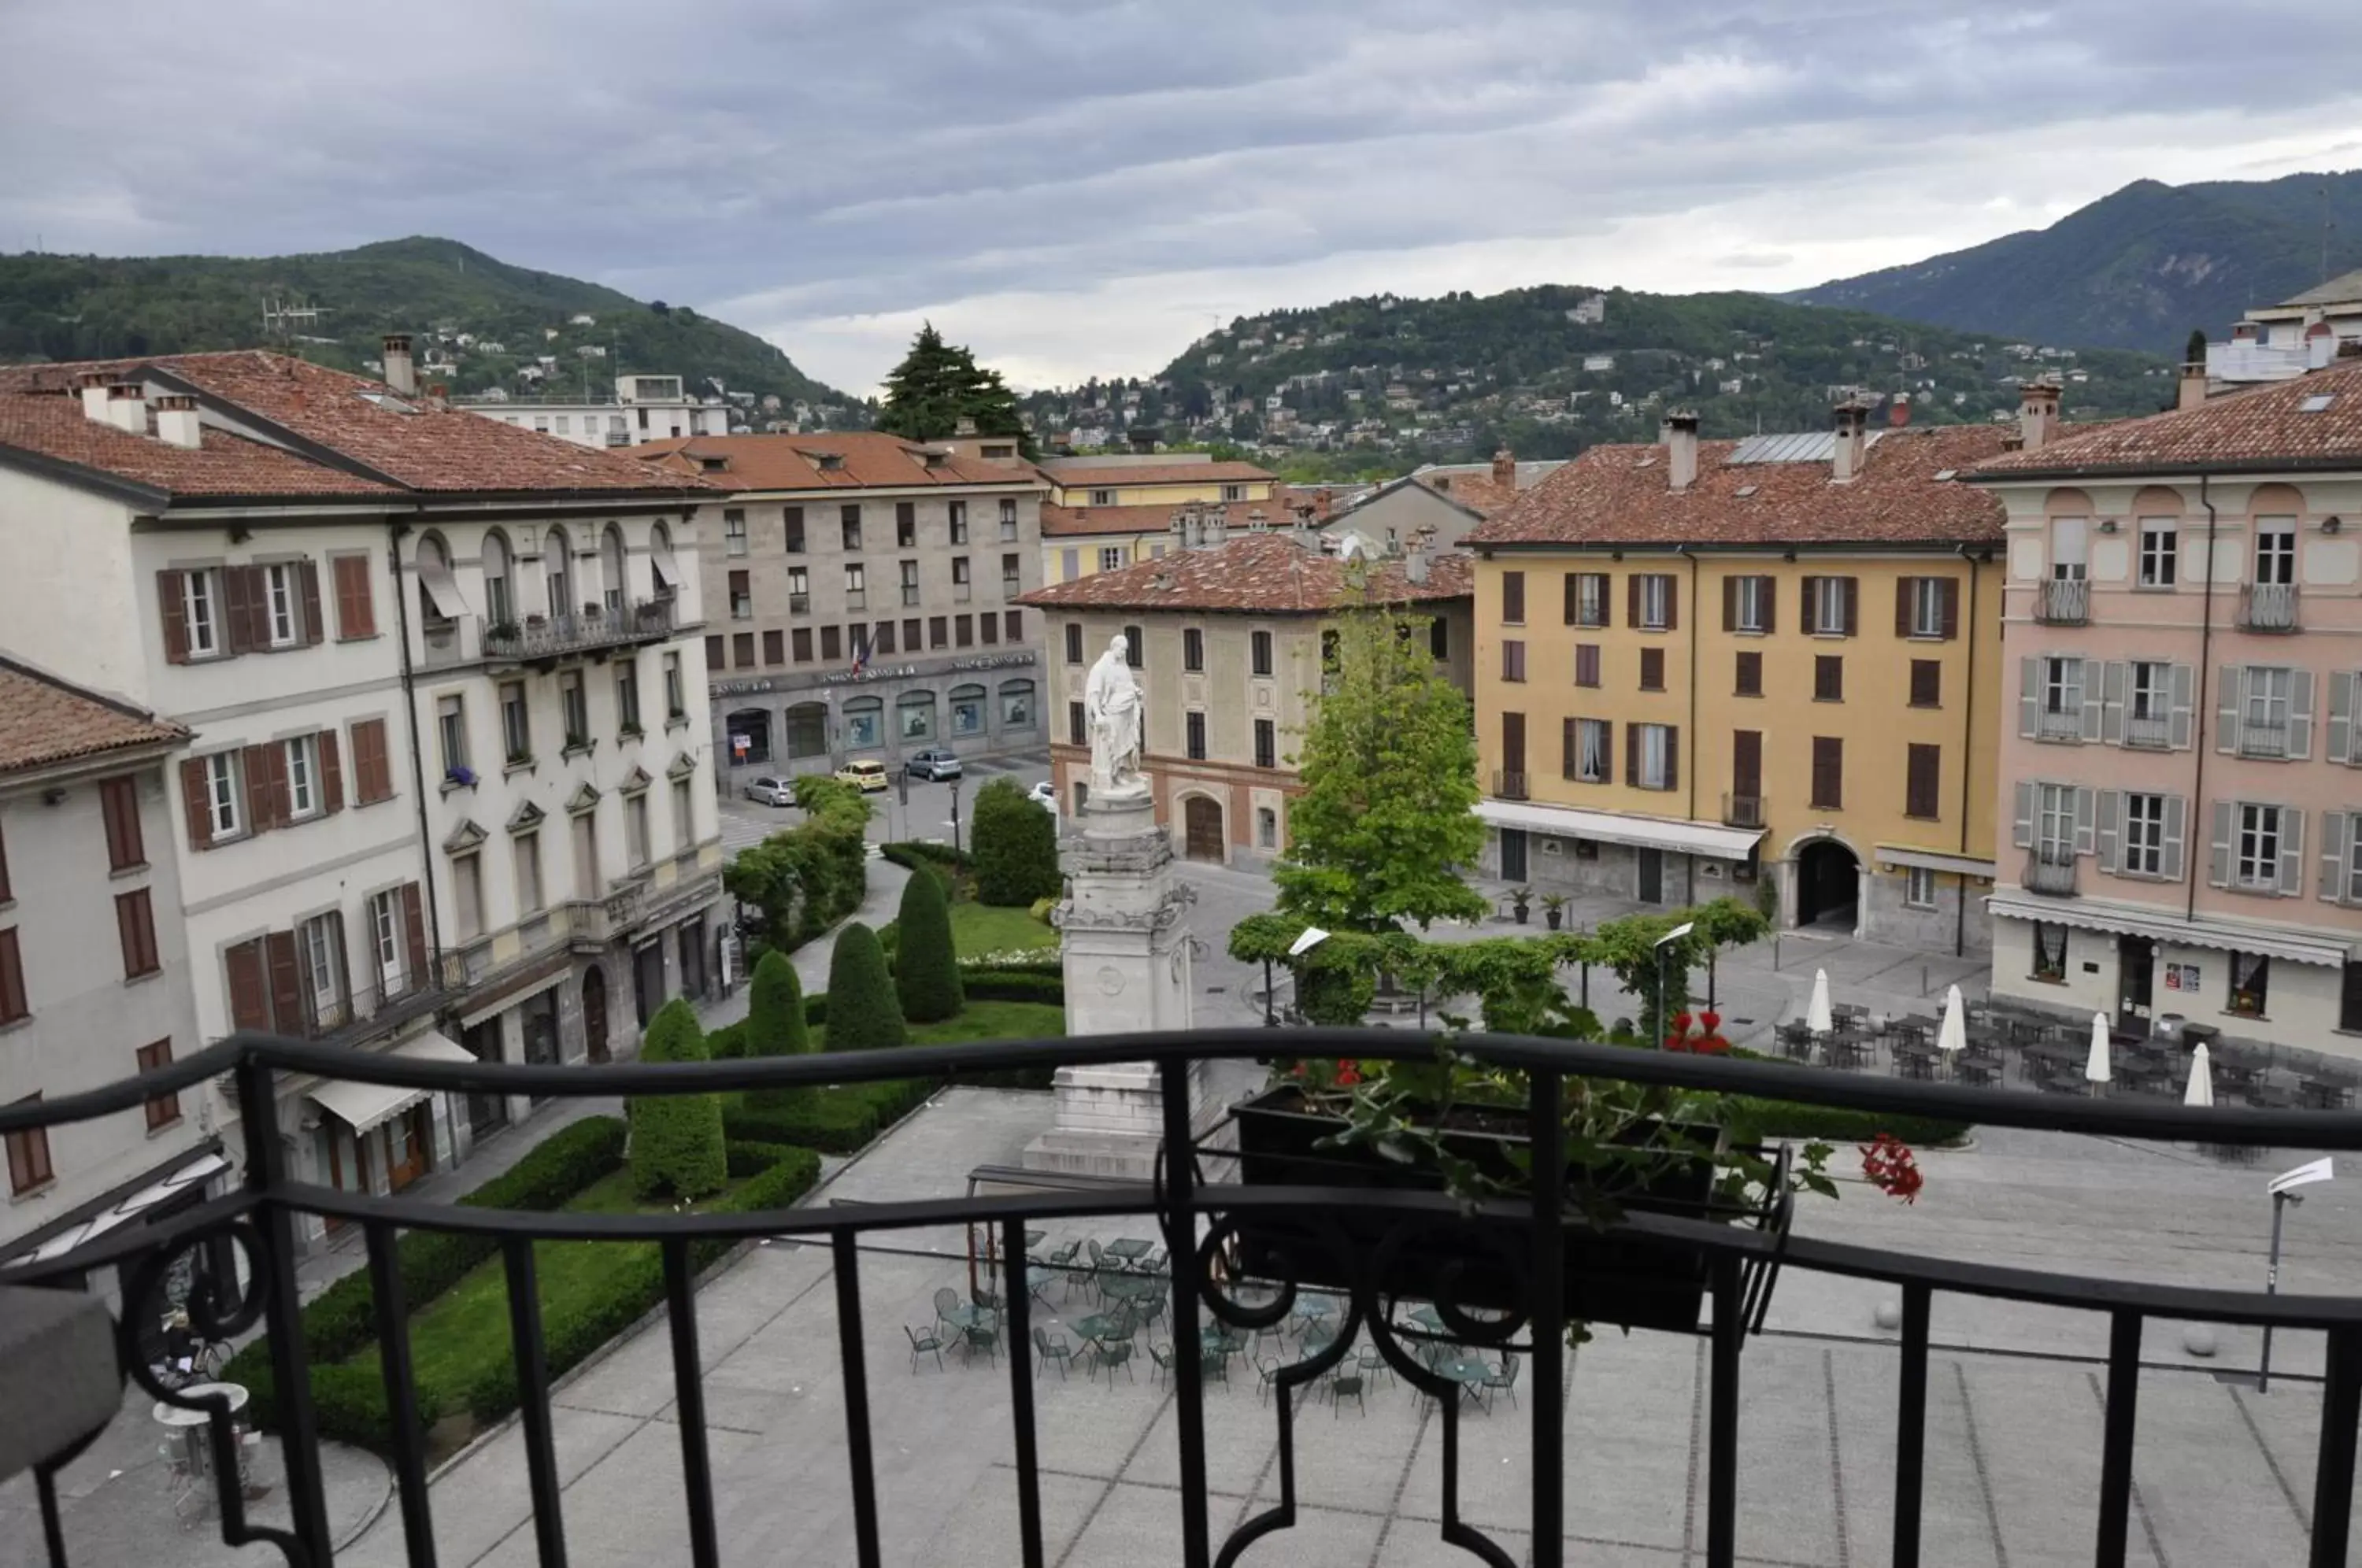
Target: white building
(229,541)
(2300,334)
(645,408)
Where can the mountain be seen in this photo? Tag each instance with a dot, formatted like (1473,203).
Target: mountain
(2134,269)
(1370,384)
(83,307)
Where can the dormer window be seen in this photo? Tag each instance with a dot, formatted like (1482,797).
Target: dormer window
(830,462)
(714,465)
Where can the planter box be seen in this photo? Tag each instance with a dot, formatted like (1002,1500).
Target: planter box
(1630,1281)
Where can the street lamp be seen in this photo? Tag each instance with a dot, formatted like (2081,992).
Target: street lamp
(1663,943)
(1310,937)
(2283,1190)
(955,833)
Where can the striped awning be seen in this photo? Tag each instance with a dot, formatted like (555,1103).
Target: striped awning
(2090,914)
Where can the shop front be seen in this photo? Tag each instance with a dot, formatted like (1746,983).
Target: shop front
(983,706)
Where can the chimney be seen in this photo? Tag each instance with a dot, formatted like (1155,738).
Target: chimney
(2038,414)
(1504,470)
(2193,384)
(1414,562)
(1679,433)
(126,407)
(1898,412)
(1322,501)
(1852,443)
(93,395)
(176,420)
(401,374)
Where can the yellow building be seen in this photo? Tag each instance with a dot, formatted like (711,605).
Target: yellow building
(1106,513)
(1766,668)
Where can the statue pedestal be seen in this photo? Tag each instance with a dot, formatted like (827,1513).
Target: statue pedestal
(1128,969)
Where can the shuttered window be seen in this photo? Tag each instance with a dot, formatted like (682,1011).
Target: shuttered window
(1513,660)
(1829,773)
(1652,669)
(1828,677)
(29,1155)
(1513,598)
(135,925)
(1926,683)
(163,1109)
(372,770)
(1747,680)
(1586,664)
(1922,789)
(13,1005)
(355,605)
(119,800)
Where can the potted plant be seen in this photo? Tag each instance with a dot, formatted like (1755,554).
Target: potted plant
(1554,909)
(500,631)
(593,609)
(464,777)
(535,623)
(1521,902)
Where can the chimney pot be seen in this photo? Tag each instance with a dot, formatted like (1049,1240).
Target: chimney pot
(401,371)
(1679,433)
(2191,391)
(1851,444)
(1505,469)
(2038,414)
(93,384)
(126,407)
(177,423)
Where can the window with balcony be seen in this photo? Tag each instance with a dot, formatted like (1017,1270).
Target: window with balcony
(798,591)
(2062,699)
(742,597)
(733,532)
(2161,551)
(556,550)
(575,705)
(906,525)
(2267,705)
(2276,551)
(961,584)
(2148,705)
(500,588)
(794,520)
(1586,598)
(848,520)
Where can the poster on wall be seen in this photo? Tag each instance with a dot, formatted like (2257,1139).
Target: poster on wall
(2181,976)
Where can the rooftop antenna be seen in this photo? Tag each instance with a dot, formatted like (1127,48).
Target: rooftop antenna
(281,318)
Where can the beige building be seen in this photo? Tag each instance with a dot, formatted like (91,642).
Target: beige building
(1442,503)
(1226,639)
(862,596)
(1103,514)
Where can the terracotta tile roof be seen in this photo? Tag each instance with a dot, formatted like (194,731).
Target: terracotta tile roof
(48,425)
(1069,522)
(1475,491)
(1083,474)
(1619,496)
(2267,427)
(44,721)
(1254,573)
(870,459)
(416,446)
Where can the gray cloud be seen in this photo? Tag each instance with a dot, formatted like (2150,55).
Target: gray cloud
(1082,187)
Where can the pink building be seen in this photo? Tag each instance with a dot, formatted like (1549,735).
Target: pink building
(2181,772)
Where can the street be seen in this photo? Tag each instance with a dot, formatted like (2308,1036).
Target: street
(926,814)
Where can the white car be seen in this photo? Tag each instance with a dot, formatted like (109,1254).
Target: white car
(771,792)
(1044,795)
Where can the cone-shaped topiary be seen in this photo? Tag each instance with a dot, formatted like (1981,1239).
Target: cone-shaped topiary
(1013,845)
(926,970)
(775,1025)
(863,1014)
(677,1146)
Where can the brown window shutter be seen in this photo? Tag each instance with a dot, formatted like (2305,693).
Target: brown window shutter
(1829,772)
(307,576)
(1566,741)
(1951,608)
(1730,604)
(1632,600)
(370,783)
(413,929)
(1607,752)
(238,586)
(1852,605)
(1673,601)
(1513,596)
(1747,762)
(1672,758)
(332,772)
(1513,743)
(193,803)
(1574,595)
(1771,604)
(134,929)
(1632,756)
(1811,611)
(1903,605)
(249,987)
(286,983)
(255,765)
(170,587)
(13,1003)
(118,802)
(4,894)
(1920,789)
(356,606)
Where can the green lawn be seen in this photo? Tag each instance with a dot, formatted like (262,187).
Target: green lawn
(986,1021)
(990,928)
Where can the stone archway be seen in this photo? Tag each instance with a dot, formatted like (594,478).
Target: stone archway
(1828,885)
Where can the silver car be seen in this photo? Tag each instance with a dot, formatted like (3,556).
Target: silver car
(770,792)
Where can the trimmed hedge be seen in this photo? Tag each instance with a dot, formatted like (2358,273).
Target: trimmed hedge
(676,1138)
(834,1122)
(1013,985)
(946,866)
(1016,857)
(864,1013)
(774,1023)
(927,972)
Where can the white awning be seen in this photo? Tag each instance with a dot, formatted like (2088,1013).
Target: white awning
(2090,914)
(1681,836)
(193,1176)
(667,575)
(1933,860)
(433,1047)
(442,589)
(363,1106)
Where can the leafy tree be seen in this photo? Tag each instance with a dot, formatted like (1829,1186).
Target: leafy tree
(1629,948)
(1014,847)
(2194,351)
(775,1025)
(807,877)
(1389,769)
(926,969)
(677,1144)
(938,384)
(862,1012)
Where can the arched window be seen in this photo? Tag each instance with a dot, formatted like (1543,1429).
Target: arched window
(500,598)
(914,716)
(1016,704)
(968,710)
(611,565)
(557,561)
(864,724)
(750,737)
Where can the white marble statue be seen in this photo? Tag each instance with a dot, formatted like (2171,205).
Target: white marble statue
(1111,703)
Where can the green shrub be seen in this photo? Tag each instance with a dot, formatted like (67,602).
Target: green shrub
(805,878)
(774,1023)
(1040,908)
(926,970)
(676,1139)
(748,1157)
(834,1121)
(863,1012)
(948,867)
(1012,985)
(1016,846)
(728,1043)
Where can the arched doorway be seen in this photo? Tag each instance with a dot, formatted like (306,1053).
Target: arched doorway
(595,1014)
(1828,884)
(749,730)
(1201,829)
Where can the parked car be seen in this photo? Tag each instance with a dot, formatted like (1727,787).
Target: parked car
(1044,795)
(868,775)
(770,792)
(935,762)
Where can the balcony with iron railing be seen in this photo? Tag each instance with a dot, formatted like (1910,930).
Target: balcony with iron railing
(1258,1243)
(1510,786)
(2262,739)
(2062,601)
(2051,869)
(358,1010)
(2267,607)
(2061,723)
(457,640)
(2146,734)
(1743,810)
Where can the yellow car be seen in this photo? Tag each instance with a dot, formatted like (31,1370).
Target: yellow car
(866,776)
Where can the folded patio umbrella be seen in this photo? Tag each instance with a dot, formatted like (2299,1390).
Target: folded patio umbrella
(1816,1014)
(2097,1067)
(2200,1091)
(1954,1033)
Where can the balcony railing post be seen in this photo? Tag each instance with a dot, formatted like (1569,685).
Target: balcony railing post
(851,1359)
(299,1438)
(2332,1475)
(1722,1418)
(1547,1129)
(1911,1427)
(1017,1291)
(2117,1430)
(1180,1220)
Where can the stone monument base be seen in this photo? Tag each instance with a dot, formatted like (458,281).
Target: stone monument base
(1110,1121)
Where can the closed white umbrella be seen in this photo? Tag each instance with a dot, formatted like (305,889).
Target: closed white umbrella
(2201,1089)
(1954,1034)
(2097,1067)
(1816,1014)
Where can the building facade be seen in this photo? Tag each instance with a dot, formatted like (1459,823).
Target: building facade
(2183,785)
(225,540)
(1442,503)
(1105,512)
(644,409)
(864,596)
(93,963)
(2291,338)
(1765,668)
(1226,641)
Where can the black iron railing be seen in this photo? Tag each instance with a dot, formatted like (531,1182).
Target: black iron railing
(2051,869)
(2267,607)
(1743,810)
(2062,601)
(1511,784)
(1198,1219)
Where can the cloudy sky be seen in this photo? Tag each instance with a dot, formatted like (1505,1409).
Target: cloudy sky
(1078,188)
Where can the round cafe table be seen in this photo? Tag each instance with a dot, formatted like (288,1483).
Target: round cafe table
(190,1425)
